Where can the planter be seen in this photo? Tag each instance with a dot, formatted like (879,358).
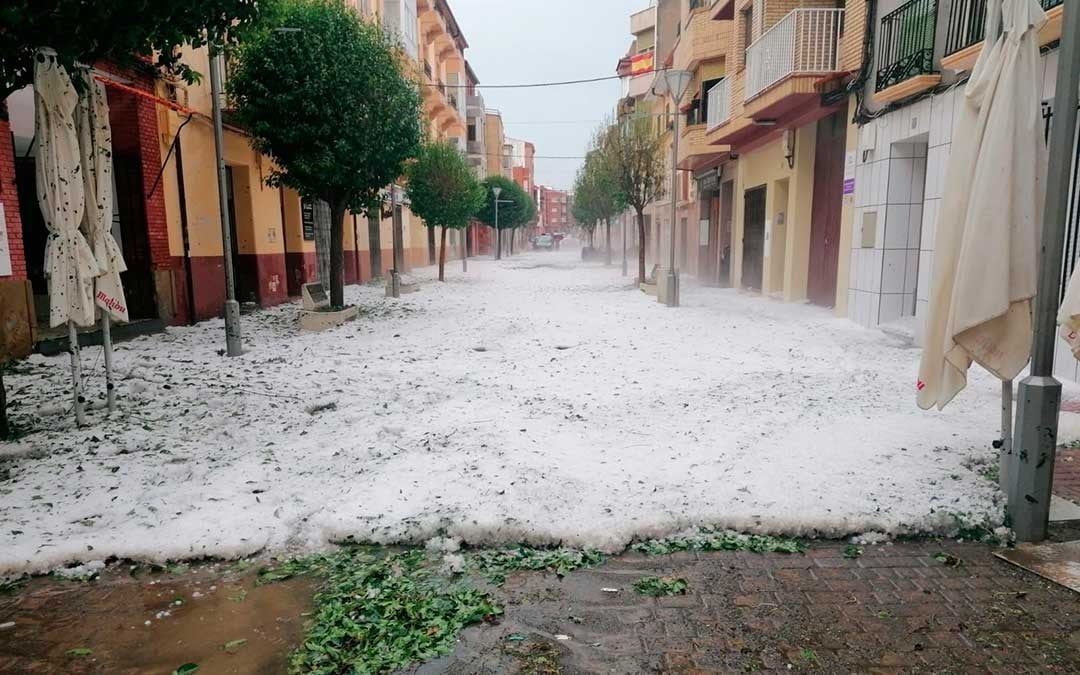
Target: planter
(316,321)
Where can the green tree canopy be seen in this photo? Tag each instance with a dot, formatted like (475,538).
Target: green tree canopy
(520,210)
(443,191)
(122,31)
(328,102)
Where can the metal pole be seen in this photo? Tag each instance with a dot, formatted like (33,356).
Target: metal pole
(624,244)
(1032,471)
(464,249)
(106,343)
(1005,457)
(498,232)
(76,375)
(671,296)
(233,345)
(399,245)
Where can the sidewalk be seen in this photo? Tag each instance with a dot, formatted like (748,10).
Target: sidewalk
(896,608)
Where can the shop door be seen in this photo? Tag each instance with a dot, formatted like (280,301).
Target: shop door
(129,223)
(727,196)
(753,238)
(825,217)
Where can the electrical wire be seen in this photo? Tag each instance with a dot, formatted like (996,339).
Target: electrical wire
(537,85)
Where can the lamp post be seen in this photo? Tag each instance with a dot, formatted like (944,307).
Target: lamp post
(1031,470)
(676,82)
(233,343)
(495,235)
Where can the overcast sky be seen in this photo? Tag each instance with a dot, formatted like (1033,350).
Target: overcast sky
(519,41)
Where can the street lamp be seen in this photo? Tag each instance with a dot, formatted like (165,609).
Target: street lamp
(233,343)
(676,82)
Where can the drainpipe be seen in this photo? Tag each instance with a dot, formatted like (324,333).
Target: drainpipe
(189,278)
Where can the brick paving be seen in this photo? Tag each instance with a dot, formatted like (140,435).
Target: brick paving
(894,609)
(1067,474)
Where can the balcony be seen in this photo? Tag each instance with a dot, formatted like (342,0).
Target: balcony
(805,42)
(719,104)
(695,152)
(967,25)
(906,55)
(643,21)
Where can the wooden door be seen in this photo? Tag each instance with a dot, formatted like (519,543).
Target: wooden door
(825,216)
(753,238)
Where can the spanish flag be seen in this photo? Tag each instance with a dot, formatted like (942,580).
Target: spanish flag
(641,64)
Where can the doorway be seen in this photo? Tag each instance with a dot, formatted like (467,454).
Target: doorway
(725,210)
(753,238)
(825,215)
(129,228)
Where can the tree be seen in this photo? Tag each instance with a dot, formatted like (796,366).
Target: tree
(516,207)
(633,147)
(123,31)
(328,102)
(597,195)
(443,191)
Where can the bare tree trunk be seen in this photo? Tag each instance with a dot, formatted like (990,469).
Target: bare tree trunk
(337,253)
(374,243)
(431,245)
(641,247)
(5,429)
(442,254)
(513,233)
(498,243)
(607,245)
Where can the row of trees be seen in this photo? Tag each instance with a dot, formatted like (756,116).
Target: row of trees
(324,94)
(624,169)
(320,89)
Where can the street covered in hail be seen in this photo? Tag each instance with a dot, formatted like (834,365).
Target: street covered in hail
(534,400)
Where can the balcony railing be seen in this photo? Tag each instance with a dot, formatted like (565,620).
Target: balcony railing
(907,42)
(967,23)
(806,41)
(719,104)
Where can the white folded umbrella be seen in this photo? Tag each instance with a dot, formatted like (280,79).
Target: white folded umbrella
(990,217)
(95,152)
(69,262)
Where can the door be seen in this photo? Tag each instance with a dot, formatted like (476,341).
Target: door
(825,216)
(724,216)
(753,238)
(130,215)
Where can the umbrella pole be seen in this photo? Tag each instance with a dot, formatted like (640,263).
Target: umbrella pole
(1005,457)
(106,341)
(76,374)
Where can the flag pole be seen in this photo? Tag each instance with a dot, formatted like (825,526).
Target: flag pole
(1031,474)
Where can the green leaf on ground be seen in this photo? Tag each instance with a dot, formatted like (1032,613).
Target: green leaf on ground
(186,669)
(711,540)
(232,646)
(657,587)
(948,559)
(496,565)
(852,551)
(381,613)
(80,651)
(240,595)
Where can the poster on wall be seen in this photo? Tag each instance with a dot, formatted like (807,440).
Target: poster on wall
(849,173)
(307,219)
(5,252)
(703,232)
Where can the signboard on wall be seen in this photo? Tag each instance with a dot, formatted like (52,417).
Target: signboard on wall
(307,218)
(703,232)
(849,173)
(5,251)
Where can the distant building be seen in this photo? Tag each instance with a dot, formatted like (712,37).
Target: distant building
(554,209)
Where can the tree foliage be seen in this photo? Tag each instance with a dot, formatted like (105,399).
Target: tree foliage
(328,102)
(521,209)
(636,153)
(122,31)
(443,191)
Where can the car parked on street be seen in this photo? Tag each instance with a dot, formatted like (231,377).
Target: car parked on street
(543,242)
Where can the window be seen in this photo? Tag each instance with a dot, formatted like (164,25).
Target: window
(706,86)
(472,133)
(747,19)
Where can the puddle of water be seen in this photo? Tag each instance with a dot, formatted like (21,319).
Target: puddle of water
(133,625)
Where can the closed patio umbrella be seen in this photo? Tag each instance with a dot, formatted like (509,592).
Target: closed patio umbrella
(69,262)
(989,223)
(95,152)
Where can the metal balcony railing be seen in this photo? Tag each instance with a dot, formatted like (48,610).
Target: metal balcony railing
(907,42)
(806,41)
(719,104)
(967,23)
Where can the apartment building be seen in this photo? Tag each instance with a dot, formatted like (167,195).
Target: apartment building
(553,207)
(167,218)
(924,50)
